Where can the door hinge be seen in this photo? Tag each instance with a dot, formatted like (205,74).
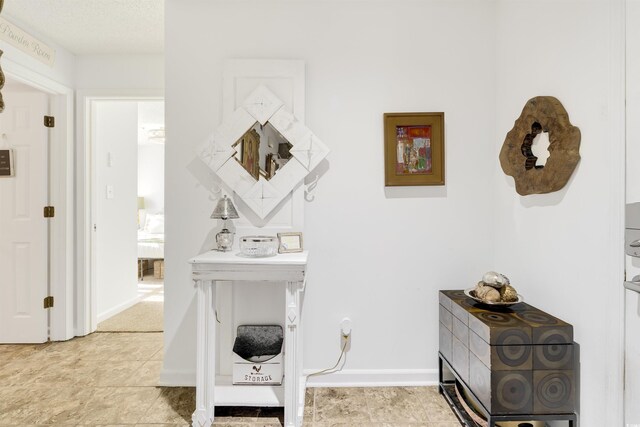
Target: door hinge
(49,121)
(48,302)
(49,211)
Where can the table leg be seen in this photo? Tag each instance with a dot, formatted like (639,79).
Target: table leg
(291,362)
(206,354)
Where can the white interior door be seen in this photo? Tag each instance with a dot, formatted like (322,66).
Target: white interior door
(23,228)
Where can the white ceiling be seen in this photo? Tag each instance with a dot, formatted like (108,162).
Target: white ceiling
(86,27)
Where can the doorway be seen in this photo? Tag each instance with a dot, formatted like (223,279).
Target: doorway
(127,214)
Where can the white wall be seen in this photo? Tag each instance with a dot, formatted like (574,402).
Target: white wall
(633,101)
(632,318)
(13,59)
(137,71)
(377,255)
(563,251)
(151,176)
(151,155)
(116,135)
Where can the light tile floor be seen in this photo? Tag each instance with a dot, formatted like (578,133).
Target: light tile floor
(110,380)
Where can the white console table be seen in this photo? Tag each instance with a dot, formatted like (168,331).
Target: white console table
(212,267)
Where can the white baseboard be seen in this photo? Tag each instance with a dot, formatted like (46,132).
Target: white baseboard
(119,308)
(374,378)
(177,378)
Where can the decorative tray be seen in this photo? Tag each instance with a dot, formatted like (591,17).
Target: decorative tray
(472,294)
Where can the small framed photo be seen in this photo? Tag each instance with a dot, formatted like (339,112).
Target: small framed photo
(289,242)
(413,149)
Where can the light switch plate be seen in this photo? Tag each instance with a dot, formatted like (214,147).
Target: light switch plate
(109,191)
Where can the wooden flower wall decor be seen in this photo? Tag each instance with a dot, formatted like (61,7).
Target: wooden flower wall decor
(541,151)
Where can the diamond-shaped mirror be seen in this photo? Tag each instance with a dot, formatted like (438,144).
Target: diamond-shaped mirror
(262,151)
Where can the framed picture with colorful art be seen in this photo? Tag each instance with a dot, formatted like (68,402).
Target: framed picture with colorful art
(413,149)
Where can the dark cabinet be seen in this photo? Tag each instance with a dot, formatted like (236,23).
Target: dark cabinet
(506,364)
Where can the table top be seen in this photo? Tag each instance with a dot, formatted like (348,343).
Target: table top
(235,258)
(531,324)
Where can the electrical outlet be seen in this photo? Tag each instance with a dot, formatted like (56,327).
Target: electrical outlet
(345,333)
(345,327)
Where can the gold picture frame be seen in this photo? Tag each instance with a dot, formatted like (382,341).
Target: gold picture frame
(289,242)
(413,149)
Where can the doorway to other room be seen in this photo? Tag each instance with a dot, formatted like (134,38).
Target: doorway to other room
(128,214)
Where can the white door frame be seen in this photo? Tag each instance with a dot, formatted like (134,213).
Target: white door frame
(86,302)
(61,169)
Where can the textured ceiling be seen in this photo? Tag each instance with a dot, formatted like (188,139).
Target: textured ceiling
(93,26)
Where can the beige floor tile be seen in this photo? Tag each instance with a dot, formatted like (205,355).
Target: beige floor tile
(161,425)
(232,424)
(174,405)
(109,380)
(9,352)
(343,424)
(136,350)
(309,405)
(441,413)
(43,405)
(237,414)
(341,405)
(88,373)
(18,372)
(407,425)
(395,404)
(90,349)
(105,425)
(119,405)
(159,355)
(43,425)
(142,351)
(158,425)
(136,336)
(147,374)
(270,416)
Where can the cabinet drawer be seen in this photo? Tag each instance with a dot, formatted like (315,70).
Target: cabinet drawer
(459,312)
(554,392)
(553,357)
(444,299)
(445,342)
(460,359)
(461,331)
(501,358)
(446,318)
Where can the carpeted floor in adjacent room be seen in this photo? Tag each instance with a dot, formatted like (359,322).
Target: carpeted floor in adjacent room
(145,316)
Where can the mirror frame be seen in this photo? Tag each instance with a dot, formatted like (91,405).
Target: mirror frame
(262,195)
